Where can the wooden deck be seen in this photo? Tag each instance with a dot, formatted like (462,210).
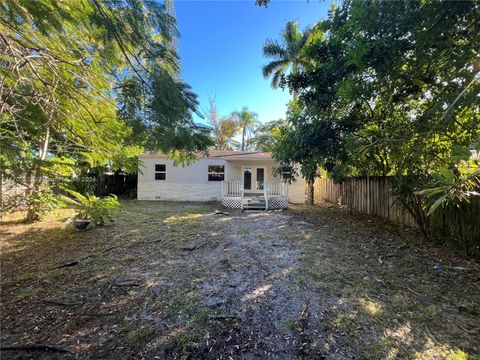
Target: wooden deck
(273,196)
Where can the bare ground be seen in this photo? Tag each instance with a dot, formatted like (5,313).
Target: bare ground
(176,280)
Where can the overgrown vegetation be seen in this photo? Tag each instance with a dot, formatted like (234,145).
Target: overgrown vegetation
(176,280)
(90,207)
(89,84)
(388,88)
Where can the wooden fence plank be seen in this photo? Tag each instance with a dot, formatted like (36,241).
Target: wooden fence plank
(370,195)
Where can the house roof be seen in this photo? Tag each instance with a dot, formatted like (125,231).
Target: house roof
(225,155)
(232,155)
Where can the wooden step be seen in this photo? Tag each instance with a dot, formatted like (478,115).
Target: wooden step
(254,204)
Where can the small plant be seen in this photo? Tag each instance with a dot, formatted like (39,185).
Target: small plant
(293,325)
(91,208)
(140,335)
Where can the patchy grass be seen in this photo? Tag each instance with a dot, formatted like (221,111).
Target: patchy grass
(390,300)
(140,336)
(175,280)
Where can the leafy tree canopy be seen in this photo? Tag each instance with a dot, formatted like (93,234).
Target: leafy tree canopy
(390,88)
(87,83)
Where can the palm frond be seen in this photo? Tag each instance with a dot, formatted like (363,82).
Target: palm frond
(274,66)
(273,48)
(277,78)
(291,33)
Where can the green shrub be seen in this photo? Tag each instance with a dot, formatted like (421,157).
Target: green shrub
(90,207)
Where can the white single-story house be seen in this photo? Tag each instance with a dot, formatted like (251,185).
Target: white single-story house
(239,179)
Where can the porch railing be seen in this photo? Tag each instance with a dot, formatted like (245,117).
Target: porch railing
(270,188)
(232,188)
(276,188)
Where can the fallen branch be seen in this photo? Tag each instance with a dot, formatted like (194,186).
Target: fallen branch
(413,292)
(69,264)
(96,314)
(112,283)
(108,249)
(34,347)
(128,283)
(194,247)
(224,317)
(110,286)
(76,262)
(61,303)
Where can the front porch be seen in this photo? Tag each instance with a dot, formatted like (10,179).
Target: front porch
(264,195)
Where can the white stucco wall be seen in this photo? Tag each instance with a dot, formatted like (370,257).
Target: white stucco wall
(296,191)
(184,183)
(190,183)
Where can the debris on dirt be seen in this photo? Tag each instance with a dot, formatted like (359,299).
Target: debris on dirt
(69,264)
(62,303)
(194,246)
(34,347)
(177,281)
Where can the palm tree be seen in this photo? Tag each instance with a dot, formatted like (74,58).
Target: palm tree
(247,120)
(287,54)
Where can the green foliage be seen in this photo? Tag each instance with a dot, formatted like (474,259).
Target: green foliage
(89,84)
(287,54)
(458,355)
(267,136)
(223,128)
(391,88)
(90,207)
(247,121)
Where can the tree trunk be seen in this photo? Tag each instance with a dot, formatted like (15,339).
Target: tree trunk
(310,192)
(243,136)
(36,180)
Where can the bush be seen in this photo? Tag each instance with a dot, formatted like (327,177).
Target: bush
(90,207)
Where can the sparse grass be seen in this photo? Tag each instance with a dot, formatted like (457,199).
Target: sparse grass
(343,323)
(397,308)
(371,307)
(180,218)
(301,280)
(402,292)
(182,304)
(140,335)
(293,325)
(27,293)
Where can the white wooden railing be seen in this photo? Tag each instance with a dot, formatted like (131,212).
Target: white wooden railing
(270,188)
(276,188)
(232,188)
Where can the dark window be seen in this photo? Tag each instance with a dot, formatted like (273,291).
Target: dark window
(159,176)
(216,173)
(160,171)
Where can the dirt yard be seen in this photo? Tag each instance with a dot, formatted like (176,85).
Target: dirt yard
(176,280)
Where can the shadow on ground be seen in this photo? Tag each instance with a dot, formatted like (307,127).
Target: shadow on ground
(176,280)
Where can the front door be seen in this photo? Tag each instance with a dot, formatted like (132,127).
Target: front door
(247,178)
(260,178)
(253,178)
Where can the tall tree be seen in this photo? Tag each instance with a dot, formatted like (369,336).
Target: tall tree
(247,121)
(288,54)
(392,89)
(61,67)
(223,128)
(267,136)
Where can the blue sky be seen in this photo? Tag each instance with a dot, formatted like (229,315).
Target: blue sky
(221,50)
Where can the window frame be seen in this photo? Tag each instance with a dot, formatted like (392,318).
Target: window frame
(164,172)
(222,173)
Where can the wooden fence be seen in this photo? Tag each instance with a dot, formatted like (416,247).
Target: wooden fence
(118,184)
(368,195)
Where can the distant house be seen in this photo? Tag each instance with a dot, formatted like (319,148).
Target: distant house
(239,179)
